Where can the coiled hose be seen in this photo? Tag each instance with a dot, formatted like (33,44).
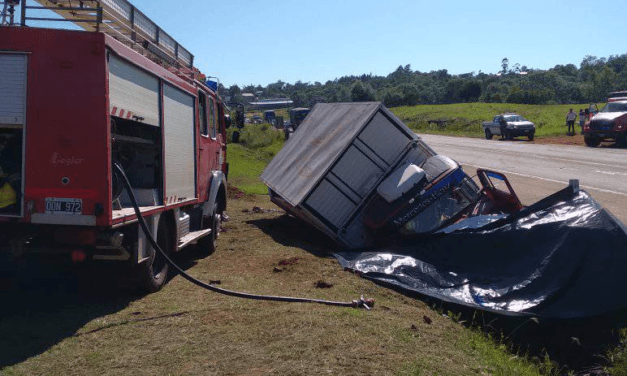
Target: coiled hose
(360,303)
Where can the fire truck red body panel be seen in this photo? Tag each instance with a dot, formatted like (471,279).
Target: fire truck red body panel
(66,116)
(81,102)
(68,129)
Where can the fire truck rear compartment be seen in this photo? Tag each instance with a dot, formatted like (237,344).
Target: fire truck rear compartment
(138,148)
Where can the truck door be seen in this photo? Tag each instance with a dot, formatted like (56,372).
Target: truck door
(208,151)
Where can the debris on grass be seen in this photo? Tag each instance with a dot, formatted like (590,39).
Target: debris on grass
(289,261)
(320,284)
(234,192)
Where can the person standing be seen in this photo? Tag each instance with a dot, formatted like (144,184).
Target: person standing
(582,119)
(570,122)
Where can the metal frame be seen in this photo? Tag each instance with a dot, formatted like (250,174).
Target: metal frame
(123,21)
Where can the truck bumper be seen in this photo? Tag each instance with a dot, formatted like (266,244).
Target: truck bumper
(605,134)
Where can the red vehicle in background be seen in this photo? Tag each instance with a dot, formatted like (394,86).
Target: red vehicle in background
(73,105)
(609,124)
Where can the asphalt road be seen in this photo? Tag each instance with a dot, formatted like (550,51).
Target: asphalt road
(537,170)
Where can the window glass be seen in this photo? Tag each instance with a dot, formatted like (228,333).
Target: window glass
(212,118)
(202,112)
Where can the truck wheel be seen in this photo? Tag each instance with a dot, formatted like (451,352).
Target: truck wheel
(207,245)
(488,134)
(153,273)
(531,136)
(592,141)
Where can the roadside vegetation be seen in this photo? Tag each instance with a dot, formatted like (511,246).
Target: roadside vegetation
(509,345)
(591,81)
(65,319)
(464,119)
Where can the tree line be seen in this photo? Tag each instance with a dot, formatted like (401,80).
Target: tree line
(562,84)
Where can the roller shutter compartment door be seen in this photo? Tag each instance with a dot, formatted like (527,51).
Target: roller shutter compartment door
(178,128)
(133,93)
(12,89)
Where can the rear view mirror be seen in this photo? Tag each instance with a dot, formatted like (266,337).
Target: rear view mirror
(227,121)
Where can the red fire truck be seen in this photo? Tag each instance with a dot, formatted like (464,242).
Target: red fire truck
(76,103)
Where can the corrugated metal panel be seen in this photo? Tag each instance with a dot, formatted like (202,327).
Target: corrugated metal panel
(357,171)
(132,89)
(12,88)
(330,203)
(309,153)
(384,138)
(178,123)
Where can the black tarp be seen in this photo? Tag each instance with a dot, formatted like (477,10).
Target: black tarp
(563,257)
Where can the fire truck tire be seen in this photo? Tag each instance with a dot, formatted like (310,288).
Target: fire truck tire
(207,245)
(592,141)
(153,273)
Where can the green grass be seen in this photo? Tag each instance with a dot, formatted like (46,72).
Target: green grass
(465,119)
(258,145)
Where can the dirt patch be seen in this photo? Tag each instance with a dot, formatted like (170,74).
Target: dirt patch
(562,140)
(568,140)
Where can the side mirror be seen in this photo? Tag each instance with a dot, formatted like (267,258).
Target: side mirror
(227,121)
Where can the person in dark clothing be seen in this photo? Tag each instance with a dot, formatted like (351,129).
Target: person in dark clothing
(570,122)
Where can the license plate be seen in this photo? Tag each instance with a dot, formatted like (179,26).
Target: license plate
(64,205)
(602,135)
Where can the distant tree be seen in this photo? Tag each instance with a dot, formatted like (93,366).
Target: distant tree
(234,90)
(504,65)
(361,92)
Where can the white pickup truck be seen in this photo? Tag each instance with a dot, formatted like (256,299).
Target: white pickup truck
(508,126)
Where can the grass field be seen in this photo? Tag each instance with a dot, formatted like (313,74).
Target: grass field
(465,119)
(66,320)
(62,319)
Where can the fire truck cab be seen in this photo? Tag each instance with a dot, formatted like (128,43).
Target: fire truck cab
(73,104)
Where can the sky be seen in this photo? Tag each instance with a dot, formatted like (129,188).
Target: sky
(256,42)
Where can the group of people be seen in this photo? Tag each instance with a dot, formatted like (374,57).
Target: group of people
(571,116)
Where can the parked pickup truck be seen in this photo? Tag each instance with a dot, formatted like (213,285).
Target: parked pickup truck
(508,126)
(610,124)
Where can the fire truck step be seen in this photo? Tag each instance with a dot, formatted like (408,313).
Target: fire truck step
(192,237)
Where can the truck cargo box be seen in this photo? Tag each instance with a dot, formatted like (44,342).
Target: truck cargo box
(330,169)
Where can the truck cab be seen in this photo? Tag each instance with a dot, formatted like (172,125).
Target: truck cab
(609,124)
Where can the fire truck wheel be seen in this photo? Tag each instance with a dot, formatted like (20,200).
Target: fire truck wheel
(207,245)
(153,273)
(592,141)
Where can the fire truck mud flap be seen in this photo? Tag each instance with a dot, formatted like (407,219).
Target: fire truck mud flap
(563,257)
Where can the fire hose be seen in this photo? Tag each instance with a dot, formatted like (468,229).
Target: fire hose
(359,303)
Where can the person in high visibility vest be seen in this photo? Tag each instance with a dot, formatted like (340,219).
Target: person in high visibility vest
(8,198)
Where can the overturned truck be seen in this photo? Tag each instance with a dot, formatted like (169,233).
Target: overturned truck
(360,175)
(413,219)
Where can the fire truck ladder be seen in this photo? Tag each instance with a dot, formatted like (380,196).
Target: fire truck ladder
(121,20)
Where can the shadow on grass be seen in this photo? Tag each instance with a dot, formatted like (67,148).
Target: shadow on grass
(47,299)
(293,232)
(579,346)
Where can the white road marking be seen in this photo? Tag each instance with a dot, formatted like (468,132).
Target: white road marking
(546,179)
